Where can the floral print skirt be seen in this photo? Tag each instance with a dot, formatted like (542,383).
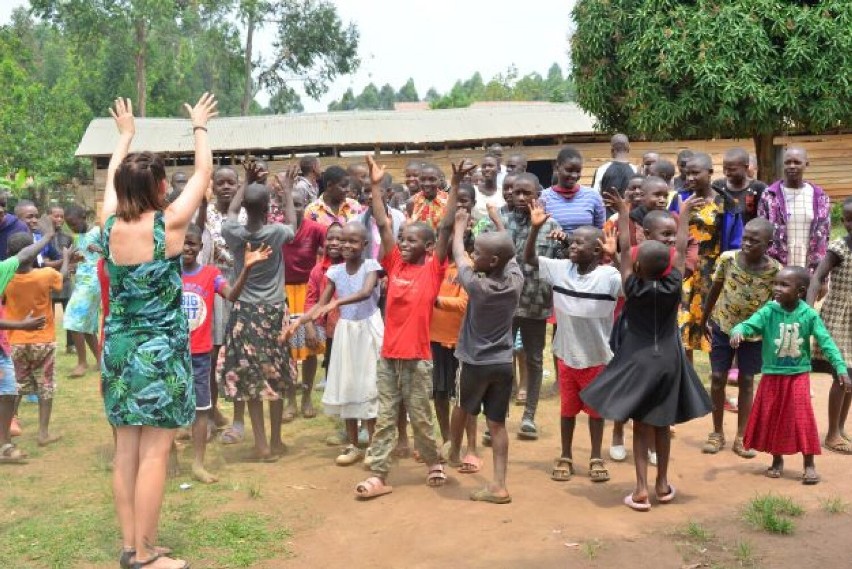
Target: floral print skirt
(254,365)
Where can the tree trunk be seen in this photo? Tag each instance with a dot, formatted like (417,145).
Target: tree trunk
(764,147)
(141,83)
(247,87)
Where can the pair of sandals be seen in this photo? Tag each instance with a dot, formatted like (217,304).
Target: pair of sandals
(646,505)
(373,487)
(808,479)
(563,470)
(11,454)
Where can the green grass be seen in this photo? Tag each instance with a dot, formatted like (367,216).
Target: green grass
(696,532)
(834,505)
(772,513)
(591,549)
(744,554)
(58,512)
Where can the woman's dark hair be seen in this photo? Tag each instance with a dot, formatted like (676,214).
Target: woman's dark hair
(137,185)
(568,153)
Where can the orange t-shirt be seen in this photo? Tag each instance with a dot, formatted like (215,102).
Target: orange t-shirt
(30,293)
(449,309)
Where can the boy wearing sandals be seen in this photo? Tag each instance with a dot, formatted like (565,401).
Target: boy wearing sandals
(415,269)
(584,298)
(493,281)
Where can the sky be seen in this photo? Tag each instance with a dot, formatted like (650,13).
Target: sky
(437,42)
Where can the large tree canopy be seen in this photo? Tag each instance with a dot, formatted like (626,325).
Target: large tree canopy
(744,68)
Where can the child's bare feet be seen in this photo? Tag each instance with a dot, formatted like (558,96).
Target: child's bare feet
(308,411)
(79,371)
(48,440)
(402,450)
(200,473)
(278,448)
(289,412)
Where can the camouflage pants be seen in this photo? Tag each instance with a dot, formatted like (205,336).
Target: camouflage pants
(408,381)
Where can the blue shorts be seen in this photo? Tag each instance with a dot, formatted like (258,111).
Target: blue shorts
(201,381)
(749,358)
(8,383)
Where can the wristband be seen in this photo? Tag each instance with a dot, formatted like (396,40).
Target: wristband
(204,128)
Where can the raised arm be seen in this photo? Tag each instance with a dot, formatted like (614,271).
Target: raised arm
(446,226)
(494,216)
(380,214)
(460,226)
(615,201)
(27,255)
(122,112)
(180,212)
(237,201)
(537,218)
(287,179)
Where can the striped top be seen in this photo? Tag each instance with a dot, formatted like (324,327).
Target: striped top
(585,208)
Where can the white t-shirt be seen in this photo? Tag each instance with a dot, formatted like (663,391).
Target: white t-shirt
(480,208)
(584,306)
(800,216)
(599,174)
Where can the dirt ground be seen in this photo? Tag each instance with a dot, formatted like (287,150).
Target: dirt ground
(548,524)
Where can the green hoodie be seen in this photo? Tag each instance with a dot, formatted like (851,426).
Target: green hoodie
(787,338)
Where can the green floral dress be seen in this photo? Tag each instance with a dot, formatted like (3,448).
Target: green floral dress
(146,375)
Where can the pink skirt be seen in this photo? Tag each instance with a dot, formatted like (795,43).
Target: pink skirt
(782,419)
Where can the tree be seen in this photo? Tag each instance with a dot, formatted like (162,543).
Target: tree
(312,46)
(432,95)
(407,93)
(387,97)
(744,68)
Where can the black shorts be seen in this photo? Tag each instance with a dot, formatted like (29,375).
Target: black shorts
(488,386)
(749,357)
(445,368)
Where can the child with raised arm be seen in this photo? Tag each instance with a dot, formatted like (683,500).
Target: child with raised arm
(34,351)
(649,379)
(742,283)
(201,284)
(835,311)
(493,281)
(253,367)
(9,453)
(415,269)
(782,420)
(350,392)
(585,293)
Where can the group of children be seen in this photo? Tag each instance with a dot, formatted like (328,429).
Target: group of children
(424,303)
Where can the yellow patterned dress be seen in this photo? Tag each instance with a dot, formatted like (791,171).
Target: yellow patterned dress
(704,228)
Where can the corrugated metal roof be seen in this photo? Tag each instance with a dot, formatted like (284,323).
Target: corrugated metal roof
(341,129)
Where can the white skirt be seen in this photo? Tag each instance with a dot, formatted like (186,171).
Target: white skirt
(350,389)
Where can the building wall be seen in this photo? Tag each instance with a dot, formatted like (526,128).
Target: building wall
(829,159)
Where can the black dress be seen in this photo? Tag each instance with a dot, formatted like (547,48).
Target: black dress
(649,378)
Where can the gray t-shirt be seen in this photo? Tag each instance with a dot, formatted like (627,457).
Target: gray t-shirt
(486,332)
(265,283)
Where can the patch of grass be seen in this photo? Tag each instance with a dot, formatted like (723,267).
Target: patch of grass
(590,549)
(834,505)
(696,532)
(254,490)
(772,513)
(744,554)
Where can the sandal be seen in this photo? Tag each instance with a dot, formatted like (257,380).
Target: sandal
(842,447)
(127,555)
(666,498)
(774,472)
(740,449)
(232,435)
(470,464)
(563,470)
(153,559)
(486,495)
(10,454)
(637,506)
(715,443)
(528,430)
(810,479)
(436,477)
(598,471)
(372,487)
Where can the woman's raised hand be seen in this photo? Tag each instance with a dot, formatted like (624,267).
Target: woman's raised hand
(204,110)
(122,112)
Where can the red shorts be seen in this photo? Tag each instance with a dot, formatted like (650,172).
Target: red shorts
(571,382)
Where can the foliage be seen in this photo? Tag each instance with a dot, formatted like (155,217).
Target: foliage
(506,86)
(745,68)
